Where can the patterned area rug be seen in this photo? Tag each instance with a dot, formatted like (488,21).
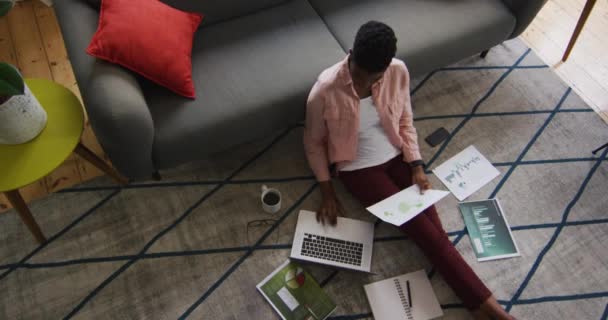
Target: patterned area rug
(180,248)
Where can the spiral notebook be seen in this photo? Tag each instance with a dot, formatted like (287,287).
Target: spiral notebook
(406,297)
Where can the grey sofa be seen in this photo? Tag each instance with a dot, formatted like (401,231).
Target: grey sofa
(254,63)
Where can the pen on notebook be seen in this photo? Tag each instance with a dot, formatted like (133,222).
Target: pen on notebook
(409,293)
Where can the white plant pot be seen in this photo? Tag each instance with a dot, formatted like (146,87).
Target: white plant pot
(21,118)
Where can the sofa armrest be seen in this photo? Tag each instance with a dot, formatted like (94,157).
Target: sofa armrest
(524,11)
(120,118)
(78,22)
(114,101)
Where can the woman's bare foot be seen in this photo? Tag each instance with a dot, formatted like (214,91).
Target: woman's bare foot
(480,315)
(493,310)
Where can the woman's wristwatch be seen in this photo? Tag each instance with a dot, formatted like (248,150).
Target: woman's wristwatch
(416,163)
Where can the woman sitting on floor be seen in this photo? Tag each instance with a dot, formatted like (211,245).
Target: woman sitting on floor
(359,117)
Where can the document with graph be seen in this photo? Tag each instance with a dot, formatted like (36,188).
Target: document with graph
(295,295)
(406,297)
(466,172)
(489,230)
(406,204)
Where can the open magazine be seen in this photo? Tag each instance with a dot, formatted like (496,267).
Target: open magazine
(295,295)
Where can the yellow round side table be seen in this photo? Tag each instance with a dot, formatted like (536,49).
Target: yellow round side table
(25,163)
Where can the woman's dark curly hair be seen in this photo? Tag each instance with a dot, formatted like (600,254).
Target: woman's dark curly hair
(375,46)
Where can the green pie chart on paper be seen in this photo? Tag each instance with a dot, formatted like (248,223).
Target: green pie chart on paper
(295,278)
(405,207)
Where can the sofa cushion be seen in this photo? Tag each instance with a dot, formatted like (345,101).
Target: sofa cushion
(430,33)
(214,10)
(156,45)
(252,75)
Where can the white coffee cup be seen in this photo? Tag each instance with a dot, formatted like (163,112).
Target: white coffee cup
(271,199)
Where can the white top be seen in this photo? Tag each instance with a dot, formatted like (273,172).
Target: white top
(374,146)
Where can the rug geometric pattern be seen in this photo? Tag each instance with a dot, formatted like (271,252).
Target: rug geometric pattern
(179,247)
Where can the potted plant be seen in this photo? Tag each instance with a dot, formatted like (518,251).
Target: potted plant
(22,117)
(6,6)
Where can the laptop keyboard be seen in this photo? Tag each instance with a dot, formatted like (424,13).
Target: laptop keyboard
(332,249)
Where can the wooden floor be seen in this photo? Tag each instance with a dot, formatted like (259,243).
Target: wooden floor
(586,71)
(30,39)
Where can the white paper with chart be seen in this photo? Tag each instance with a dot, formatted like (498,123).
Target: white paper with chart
(390,299)
(403,206)
(466,172)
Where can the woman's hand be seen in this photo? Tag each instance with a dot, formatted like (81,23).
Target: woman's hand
(330,206)
(420,178)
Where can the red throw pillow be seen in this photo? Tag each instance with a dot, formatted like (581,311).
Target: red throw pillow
(150,38)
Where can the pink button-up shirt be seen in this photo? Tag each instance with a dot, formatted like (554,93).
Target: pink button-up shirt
(332,116)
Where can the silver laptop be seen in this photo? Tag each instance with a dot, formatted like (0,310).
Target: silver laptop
(347,245)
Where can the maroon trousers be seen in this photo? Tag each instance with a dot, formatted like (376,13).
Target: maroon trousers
(371,185)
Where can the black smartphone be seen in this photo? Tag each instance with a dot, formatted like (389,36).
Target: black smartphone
(437,137)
